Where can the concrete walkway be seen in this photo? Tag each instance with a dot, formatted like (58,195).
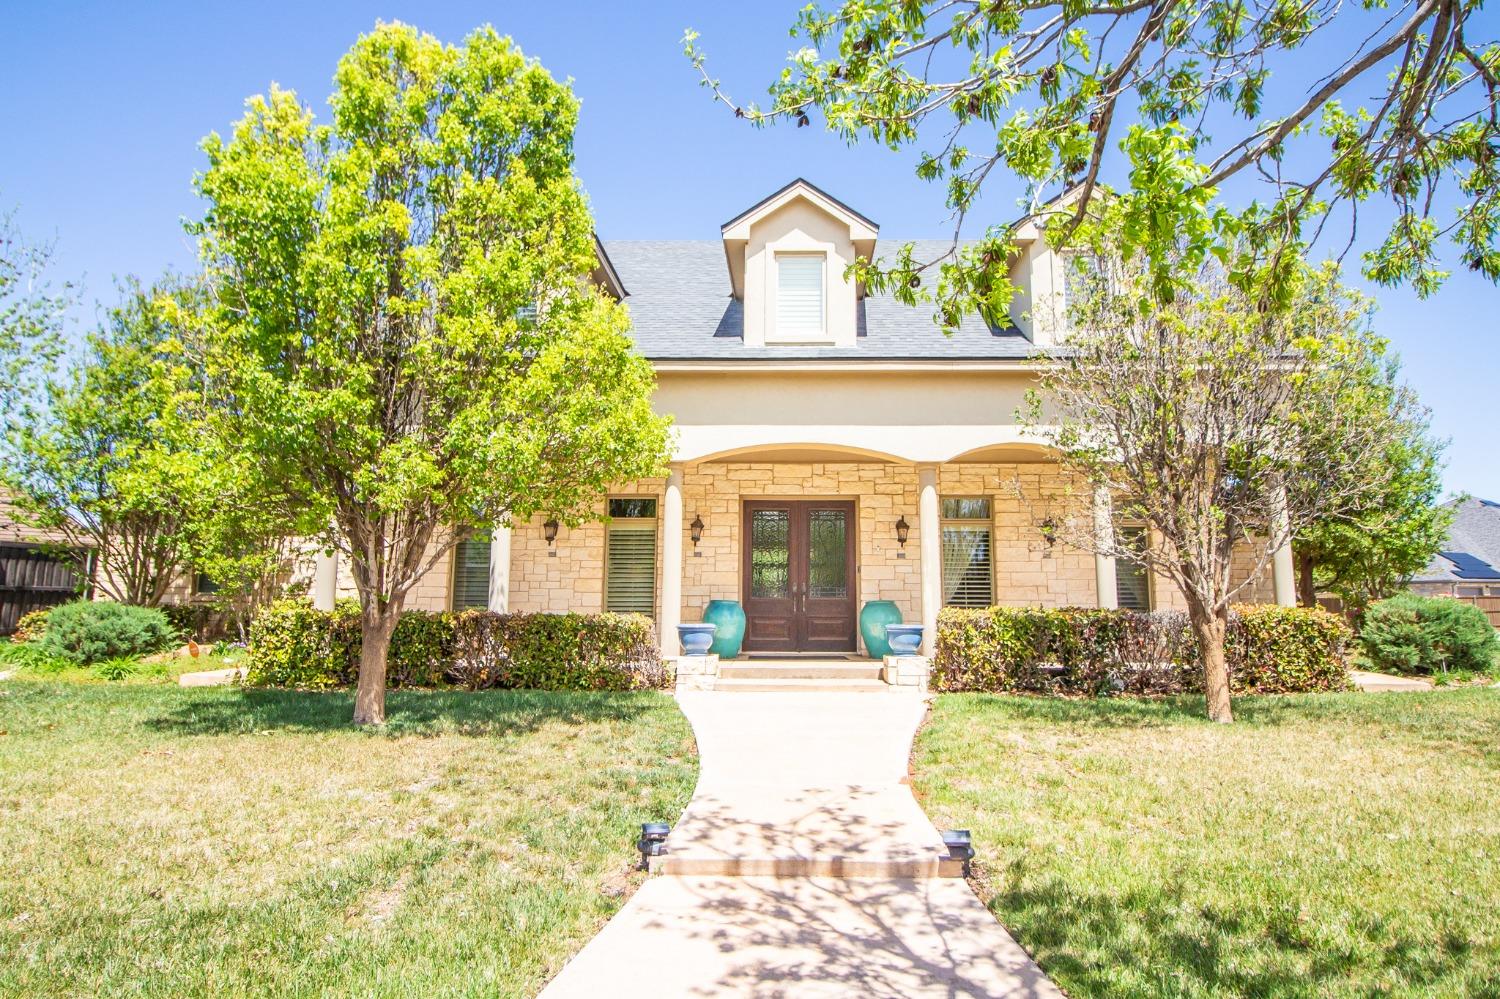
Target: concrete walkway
(810,788)
(1367,681)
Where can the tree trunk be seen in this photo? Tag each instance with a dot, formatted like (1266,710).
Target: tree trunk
(376,625)
(1307,594)
(1210,629)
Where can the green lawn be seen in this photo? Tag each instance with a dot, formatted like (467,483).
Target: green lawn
(1324,845)
(158,841)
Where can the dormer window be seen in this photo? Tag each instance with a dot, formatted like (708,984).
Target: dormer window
(789,258)
(801,315)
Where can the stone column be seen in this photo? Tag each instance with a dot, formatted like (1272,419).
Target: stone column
(1105,584)
(325,582)
(929,523)
(499,601)
(1283,578)
(671,561)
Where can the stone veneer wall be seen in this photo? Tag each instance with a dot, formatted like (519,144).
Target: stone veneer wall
(1028,572)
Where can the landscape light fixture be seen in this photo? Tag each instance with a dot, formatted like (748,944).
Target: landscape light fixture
(653,842)
(960,846)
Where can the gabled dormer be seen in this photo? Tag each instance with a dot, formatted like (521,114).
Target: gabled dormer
(787,257)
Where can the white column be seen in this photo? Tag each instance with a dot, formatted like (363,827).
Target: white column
(325,583)
(1105,583)
(929,523)
(499,601)
(671,562)
(1283,579)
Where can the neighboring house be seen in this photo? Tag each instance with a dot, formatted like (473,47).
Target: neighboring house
(1469,564)
(832,447)
(32,574)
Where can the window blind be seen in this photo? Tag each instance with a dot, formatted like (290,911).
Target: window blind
(799,296)
(1132,587)
(471,574)
(968,567)
(630,568)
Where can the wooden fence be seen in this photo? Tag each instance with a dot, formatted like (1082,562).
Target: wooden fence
(31,580)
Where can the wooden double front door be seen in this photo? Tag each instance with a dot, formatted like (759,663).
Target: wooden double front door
(798,576)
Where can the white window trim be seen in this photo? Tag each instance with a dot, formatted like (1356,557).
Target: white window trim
(1147,575)
(639,524)
(987,523)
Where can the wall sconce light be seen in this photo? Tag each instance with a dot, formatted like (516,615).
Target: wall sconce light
(549,531)
(1049,535)
(696,530)
(903,531)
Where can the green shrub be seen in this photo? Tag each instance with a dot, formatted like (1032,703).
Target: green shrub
(1415,634)
(90,631)
(556,651)
(1089,651)
(1287,650)
(32,626)
(293,645)
(117,669)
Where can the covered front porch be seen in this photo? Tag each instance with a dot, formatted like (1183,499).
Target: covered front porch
(804,537)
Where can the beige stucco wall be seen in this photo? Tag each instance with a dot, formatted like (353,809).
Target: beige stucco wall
(914,414)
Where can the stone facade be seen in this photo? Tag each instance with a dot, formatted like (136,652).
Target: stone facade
(1028,570)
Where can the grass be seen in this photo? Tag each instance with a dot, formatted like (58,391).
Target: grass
(32,661)
(1323,845)
(160,841)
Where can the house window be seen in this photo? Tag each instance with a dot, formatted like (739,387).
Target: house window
(1084,279)
(799,296)
(203,586)
(1132,583)
(968,552)
(630,556)
(471,574)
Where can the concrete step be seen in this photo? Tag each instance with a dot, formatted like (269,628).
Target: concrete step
(935,866)
(796,671)
(802,686)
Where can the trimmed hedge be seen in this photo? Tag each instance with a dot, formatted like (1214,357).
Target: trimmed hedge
(90,631)
(293,645)
(1088,651)
(1410,633)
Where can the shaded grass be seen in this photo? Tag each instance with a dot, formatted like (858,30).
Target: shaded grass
(162,841)
(1324,845)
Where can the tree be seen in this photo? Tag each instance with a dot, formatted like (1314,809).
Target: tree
(1213,421)
(1047,89)
(1395,526)
(31,318)
(410,349)
(108,459)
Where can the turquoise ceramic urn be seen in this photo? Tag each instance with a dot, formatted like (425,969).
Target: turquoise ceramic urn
(872,621)
(730,618)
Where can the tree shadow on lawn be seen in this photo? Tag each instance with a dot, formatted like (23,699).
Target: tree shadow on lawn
(1083,939)
(1436,710)
(408,712)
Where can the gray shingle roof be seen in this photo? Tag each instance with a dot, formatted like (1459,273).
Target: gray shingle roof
(681,309)
(1475,531)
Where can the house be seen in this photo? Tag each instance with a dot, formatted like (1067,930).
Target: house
(833,447)
(1469,564)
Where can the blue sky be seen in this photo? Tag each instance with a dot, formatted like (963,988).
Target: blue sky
(106,103)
